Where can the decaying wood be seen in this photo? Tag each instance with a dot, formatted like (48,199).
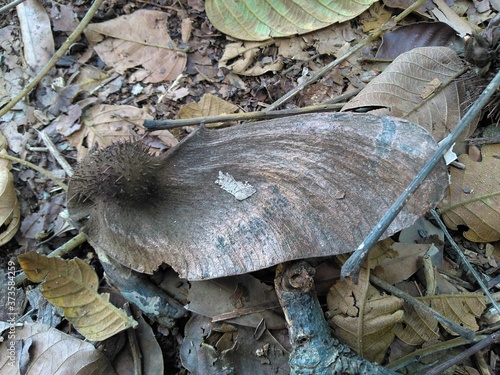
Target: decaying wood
(315,351)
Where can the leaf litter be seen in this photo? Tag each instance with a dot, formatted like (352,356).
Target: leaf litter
(68,110)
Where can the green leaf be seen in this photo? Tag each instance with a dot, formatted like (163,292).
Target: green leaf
(261,20)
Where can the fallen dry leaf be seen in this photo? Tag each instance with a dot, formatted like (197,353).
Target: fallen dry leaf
(418,327)
(422,34)
(72,286)
(406,261)
(49,351)
(12,69)
(402,90)
(241,58)
(254,299)
(206,351)
(123,45)
(63,17)
(364,318)
(90,77)
(209,105)
(10,215)
(36,33)
(442,12)
(10,211)
(105,124)
(463,308)
(474,196)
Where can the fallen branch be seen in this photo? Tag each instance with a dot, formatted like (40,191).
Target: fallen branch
(152,125)
(314,350)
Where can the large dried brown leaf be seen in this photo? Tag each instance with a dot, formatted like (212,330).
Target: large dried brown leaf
(419,86)
(321,181)
(72,286)
(122,44)
(474,196)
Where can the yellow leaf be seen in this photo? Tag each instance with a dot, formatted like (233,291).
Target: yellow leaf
(72,286)
(363,318)
(461,308)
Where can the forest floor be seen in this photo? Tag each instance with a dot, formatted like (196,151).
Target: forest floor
(98,94)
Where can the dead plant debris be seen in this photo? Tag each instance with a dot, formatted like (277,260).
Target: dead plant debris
(236,203)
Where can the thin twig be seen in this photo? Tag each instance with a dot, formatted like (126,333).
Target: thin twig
(52,62)
(381,31)
(483,141)
(343,97)
(462,331)
(9,6)
(494,338)
(429,350)
(465,260)
(170,124)
(467,201)
(352,266)
(36,168)
(56,154)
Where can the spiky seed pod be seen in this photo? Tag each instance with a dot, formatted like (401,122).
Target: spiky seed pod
(124,172)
